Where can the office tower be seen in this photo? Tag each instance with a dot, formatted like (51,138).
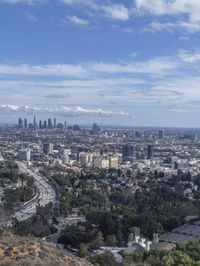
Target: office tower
(150,152)
(48,148)
(128,151)
(20,123)
(65,125)
(54,123)
(24,155)
(161,134)
(50,125)
(40,124)
(45,124)
(34,123)
(25,123)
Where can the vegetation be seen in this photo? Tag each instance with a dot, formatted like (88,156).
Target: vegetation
(112,210)
(105,259)
(38,225)
(14,196)
(157,207)
(184,255)
(8,173)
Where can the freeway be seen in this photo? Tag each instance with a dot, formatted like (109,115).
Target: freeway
(44,195)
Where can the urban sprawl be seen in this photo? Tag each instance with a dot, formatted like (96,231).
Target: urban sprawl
(96,189)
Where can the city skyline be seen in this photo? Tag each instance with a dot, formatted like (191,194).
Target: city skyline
(126,62)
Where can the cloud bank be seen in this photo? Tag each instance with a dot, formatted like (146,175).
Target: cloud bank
(62,110)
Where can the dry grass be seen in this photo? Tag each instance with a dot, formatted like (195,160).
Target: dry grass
(24,251)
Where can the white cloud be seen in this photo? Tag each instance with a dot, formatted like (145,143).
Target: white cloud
(78,21)
(180,111)
(156,7)
(112,10)
(155,66)
(63,110)
(170,7)
(180,91)
(189,57)
(185,12)
(116,11)
(157,82)
(43,70)
(159,26)
(172,26)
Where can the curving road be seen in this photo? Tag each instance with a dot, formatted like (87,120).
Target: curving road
(44,195)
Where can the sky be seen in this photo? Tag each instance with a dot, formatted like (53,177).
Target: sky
(114,62)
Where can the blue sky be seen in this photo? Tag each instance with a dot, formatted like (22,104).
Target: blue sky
(116,62)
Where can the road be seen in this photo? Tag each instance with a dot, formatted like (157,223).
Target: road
(44,195)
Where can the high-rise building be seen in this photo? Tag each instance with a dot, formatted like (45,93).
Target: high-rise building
(128,151)
(48,148)
(50,125)
(65,125)
(40,124)
(54,123)
(20,123)
(161,134)
(34,122)
(45,124)
(25,123)
(150,152)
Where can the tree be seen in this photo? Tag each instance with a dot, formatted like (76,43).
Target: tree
(76,234)
(98,241)
(83,251)
(119,237)
(181,258)
(111,240)
(105,259)
(167,260)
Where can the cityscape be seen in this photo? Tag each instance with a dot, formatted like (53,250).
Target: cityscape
(131,189)
(100,133)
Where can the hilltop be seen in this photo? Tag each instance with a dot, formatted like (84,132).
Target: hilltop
(29,251)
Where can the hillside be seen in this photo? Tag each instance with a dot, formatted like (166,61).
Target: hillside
(25,251)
